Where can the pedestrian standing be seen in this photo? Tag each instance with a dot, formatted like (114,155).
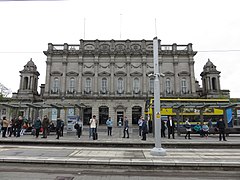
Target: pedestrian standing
(144,129)
(10,128)
(188,129)
(171,127)
(37,126)
(58,127)
(45,124)
(62,128)
(14,126)
(109,124)
(140,122)
(19,123)
(163,129)
(93,125)
(4,126)
(78,127)
(125,127)
(221,129)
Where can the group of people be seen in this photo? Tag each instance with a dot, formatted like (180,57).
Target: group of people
(93,123)
(203,130)
(15,126)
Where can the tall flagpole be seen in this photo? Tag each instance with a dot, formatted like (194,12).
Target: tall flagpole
(157,150)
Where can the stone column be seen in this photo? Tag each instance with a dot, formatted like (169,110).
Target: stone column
(127,85)
(63,81)
(96,63)
(192,79)
(176,79)
(144,78)
(48,77)
(218,83)
(80,79)
(112,89)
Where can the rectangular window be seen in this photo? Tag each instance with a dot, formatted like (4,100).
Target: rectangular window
(104,85)
(72,85)
(168,87)
(88,85)
(184,86)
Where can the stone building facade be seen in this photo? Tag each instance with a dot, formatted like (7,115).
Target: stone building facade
(113,78)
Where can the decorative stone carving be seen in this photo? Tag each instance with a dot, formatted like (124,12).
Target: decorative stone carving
(89,47)
(56,73)
(71,73)
(183,73)
(168,73)
(104,74)
(120,73)
(136,74)
(88,73)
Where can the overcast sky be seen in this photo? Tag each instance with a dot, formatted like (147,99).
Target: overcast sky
(212,26)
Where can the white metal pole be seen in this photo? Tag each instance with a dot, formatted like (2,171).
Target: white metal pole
(157,150)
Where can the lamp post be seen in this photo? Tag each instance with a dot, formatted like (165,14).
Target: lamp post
(157,150)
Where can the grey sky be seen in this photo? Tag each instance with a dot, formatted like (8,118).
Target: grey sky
(212,26)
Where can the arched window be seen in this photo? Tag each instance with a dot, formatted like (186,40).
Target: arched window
(120,88)
(168,86)
(151,85)
(214,83)
(88,85)
(55,85)
(25,83)
(104,85)
(72,84)
(184,85)
(136,85)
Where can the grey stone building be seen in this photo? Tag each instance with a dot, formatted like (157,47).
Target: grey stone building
(113,78)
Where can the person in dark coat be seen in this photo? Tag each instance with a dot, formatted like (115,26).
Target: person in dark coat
(125,128)
(45,125)
(19,123)
(163,128)
(58,127)
(144,130)
(221,128)
(78,127)
(37,126)
(171,127)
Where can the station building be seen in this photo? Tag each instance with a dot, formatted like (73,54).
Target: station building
(110,78)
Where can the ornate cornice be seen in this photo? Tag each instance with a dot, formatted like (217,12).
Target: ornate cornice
(56,73)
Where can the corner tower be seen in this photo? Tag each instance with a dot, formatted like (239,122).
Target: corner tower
(28,82)
(211,81)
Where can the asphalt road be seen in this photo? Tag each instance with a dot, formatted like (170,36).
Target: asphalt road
(14,172)
(38,171)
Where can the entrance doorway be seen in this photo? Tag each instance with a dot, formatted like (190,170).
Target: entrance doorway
(120,118)
(103,114)
(136,113)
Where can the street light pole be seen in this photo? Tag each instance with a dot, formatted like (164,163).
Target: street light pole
(157,150)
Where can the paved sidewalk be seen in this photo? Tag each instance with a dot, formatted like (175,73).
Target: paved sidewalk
(134,159)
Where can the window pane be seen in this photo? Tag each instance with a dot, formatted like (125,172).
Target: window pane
(136,85)
(152,85)
(104,85)
(88,85)
(120,85)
